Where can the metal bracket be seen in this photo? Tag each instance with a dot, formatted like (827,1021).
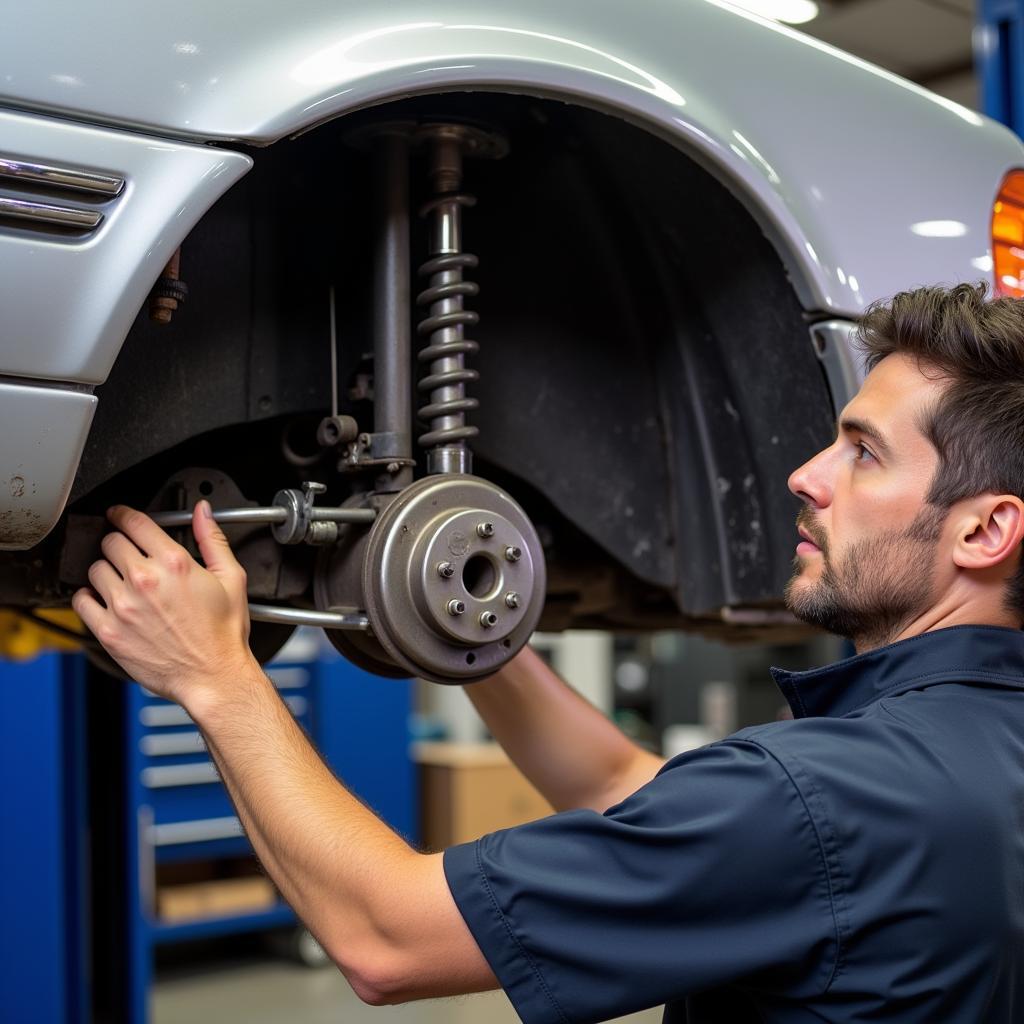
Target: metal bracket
(377,450)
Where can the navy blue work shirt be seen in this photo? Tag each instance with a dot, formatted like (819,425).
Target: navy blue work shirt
(864,862)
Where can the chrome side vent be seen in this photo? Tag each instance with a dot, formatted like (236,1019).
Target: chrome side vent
(61,202)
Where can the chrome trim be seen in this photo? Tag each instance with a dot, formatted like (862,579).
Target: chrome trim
(107,185)
(199,831)
(49,213)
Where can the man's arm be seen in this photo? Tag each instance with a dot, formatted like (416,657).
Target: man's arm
(568,749)
(382,911)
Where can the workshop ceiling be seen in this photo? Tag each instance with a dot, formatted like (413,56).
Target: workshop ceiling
(927,41)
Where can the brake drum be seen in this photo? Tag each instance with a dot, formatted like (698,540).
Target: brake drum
(452,578)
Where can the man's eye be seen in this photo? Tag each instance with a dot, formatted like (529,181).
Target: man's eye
(863,452)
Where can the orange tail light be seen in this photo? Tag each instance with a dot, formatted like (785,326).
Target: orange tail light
(1008,236)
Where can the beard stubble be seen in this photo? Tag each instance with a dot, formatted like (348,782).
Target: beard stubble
(878,587)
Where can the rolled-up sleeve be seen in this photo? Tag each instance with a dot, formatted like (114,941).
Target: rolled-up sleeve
(712,874)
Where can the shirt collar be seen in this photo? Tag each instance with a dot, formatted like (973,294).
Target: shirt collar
(982,654)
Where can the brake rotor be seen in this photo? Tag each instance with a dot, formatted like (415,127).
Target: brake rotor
(337,585)
(452,581)
(453,578)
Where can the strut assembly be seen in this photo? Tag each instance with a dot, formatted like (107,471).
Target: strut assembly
(441,577)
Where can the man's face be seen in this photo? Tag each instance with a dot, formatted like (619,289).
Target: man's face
(866,563)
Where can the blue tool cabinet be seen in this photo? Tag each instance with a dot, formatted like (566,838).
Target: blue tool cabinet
(177,809)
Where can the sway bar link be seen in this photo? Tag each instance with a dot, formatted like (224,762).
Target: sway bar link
(293,517)
(294,520)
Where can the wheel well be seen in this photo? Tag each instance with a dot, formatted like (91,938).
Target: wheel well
(646,371)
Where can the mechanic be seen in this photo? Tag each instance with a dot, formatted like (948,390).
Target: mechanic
(864,861)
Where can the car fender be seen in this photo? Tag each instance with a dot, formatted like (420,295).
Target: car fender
(835,158)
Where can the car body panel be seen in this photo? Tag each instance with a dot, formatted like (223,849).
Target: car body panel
(802,131)
(855,175)
(42,434)
(68,302)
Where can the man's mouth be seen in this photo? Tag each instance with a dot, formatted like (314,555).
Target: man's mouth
(806,546)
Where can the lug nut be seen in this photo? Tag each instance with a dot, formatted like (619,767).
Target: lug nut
(456,607)
(485,529)
(488,619)
(445,570)
(512,599)
(513,554)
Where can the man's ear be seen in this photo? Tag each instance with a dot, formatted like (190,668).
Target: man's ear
(991,531)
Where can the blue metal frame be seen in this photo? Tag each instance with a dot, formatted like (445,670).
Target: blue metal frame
(42,851)
(1000,59)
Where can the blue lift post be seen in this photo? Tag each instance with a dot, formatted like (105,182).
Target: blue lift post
(999,54)
(43,870)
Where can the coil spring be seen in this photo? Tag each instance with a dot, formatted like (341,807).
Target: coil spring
(445,273)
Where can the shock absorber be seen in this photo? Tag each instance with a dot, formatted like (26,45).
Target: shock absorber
(447,318)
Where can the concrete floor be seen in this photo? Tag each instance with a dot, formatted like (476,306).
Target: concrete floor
(247,984)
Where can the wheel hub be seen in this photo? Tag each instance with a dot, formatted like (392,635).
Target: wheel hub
(452,579)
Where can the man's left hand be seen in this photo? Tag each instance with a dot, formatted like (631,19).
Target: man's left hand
(175,627)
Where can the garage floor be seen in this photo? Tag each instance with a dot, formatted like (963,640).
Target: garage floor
(258,988)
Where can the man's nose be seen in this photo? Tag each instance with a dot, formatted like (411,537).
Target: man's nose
(810,483)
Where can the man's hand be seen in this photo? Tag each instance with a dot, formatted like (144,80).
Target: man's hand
(172,625)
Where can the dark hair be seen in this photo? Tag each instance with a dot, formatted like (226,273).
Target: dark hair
(977,426)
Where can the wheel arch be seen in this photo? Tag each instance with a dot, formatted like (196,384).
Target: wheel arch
(654,387)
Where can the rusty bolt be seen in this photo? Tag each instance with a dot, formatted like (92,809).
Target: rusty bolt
(456,607)
(512,599)
(488,619)
(445,570)
(168,292)
(485,529)
(513,554)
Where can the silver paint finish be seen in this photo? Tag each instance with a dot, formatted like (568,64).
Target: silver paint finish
(42,434)
(834,345)
(836,158)
(74,332)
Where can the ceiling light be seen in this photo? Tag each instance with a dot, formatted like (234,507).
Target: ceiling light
(792,12)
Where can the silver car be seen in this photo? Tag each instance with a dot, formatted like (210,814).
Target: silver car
(467,318)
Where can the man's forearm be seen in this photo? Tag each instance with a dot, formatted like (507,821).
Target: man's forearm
(325,851)
(383,912)
(567,748)
(354,882)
